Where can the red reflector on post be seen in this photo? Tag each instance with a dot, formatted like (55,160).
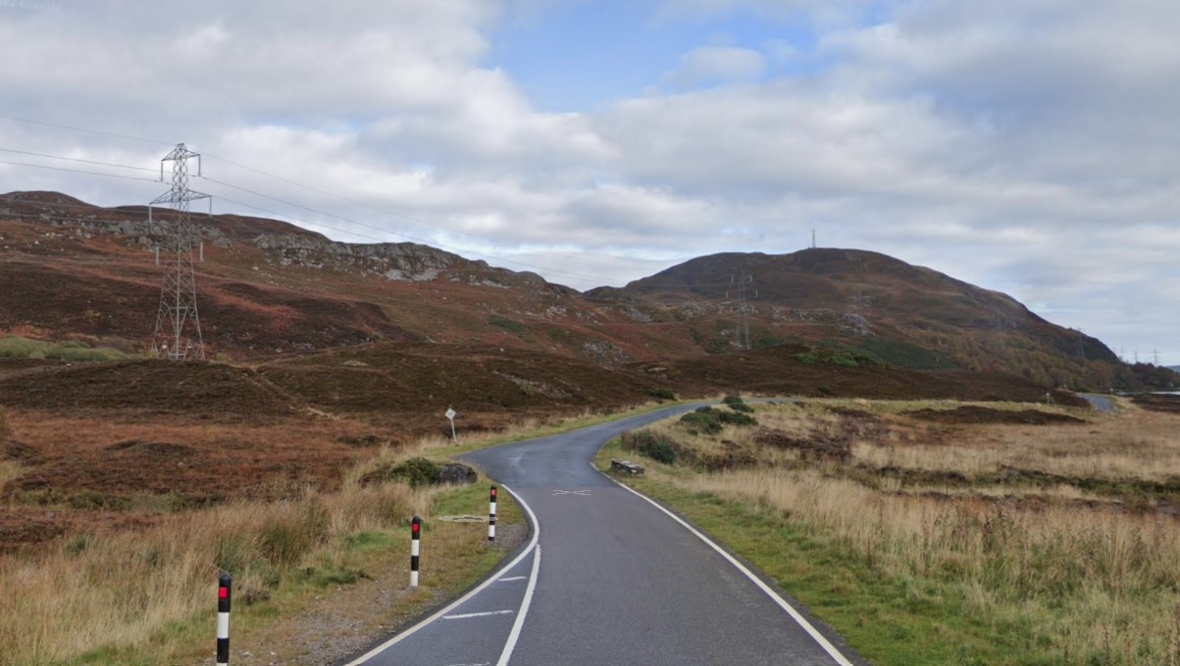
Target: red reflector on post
(415,527)
(223,593)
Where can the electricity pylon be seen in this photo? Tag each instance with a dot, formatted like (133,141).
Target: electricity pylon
(178,291)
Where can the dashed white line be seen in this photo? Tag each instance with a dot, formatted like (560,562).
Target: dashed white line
(476,590)
(467,616)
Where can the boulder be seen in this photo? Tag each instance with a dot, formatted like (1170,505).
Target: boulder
(457,473)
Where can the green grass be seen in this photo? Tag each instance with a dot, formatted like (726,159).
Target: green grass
(511,326)
(891,620)
(12,346)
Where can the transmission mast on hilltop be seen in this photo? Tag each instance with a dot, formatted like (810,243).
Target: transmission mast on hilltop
(178,290)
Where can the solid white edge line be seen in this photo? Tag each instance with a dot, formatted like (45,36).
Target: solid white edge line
(466,597)
(782,603)
(524,611)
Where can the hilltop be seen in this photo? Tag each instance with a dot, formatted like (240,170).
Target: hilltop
(327,350)
(271,291)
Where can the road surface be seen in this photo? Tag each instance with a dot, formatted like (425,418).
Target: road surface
(608,577)
(1100,403)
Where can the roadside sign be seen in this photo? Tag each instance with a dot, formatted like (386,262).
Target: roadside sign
(451,414)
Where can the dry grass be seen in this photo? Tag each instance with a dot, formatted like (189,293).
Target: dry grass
(138,596)
(1117,577)
(1090,580)
(122,589)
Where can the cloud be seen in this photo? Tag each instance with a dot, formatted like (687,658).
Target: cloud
(717,64)
(1027,147)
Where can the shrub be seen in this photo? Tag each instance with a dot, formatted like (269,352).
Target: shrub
(417,472)
(824,390)
(661,393)
(736,418)
(737,404)
(656,447)
(704,419)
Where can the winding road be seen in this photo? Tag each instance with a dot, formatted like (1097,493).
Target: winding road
(608,577)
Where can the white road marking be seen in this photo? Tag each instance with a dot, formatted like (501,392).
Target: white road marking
(513,578)
(471,615)
(476,590)
(581,493)
(782,603)
(524,606)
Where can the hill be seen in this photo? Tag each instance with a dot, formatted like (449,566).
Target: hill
(269,290)
(905,315)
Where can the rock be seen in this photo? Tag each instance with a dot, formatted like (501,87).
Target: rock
(457,473)
(626,466)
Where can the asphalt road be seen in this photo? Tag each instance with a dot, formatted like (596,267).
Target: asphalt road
(608,578)
(1100,403)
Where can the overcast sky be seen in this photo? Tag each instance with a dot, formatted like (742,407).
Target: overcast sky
(1026,146)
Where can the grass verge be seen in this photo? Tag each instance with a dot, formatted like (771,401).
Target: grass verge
(299,567)
(931,579)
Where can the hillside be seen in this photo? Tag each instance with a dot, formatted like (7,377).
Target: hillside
(269,290)
(906,315)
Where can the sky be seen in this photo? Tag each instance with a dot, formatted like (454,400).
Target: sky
(1026,146)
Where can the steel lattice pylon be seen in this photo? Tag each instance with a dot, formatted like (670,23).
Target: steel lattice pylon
(178,291)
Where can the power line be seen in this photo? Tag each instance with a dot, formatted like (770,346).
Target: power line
(313,189)
(83,129)
(424,241)
(75,159)
(88,173)
(43,216)
(309,209)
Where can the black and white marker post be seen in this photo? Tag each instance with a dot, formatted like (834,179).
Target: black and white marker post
(415,532)
(225,583)
(492,517)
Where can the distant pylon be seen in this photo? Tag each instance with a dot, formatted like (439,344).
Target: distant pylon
(178,291)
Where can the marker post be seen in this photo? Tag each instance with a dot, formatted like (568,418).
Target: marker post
(492,517)
(415,533)
(224,585)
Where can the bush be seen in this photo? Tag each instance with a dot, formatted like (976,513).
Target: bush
(736,418)
(661,393)
(417,472)
(704,418)
(737,404)
(659,449)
